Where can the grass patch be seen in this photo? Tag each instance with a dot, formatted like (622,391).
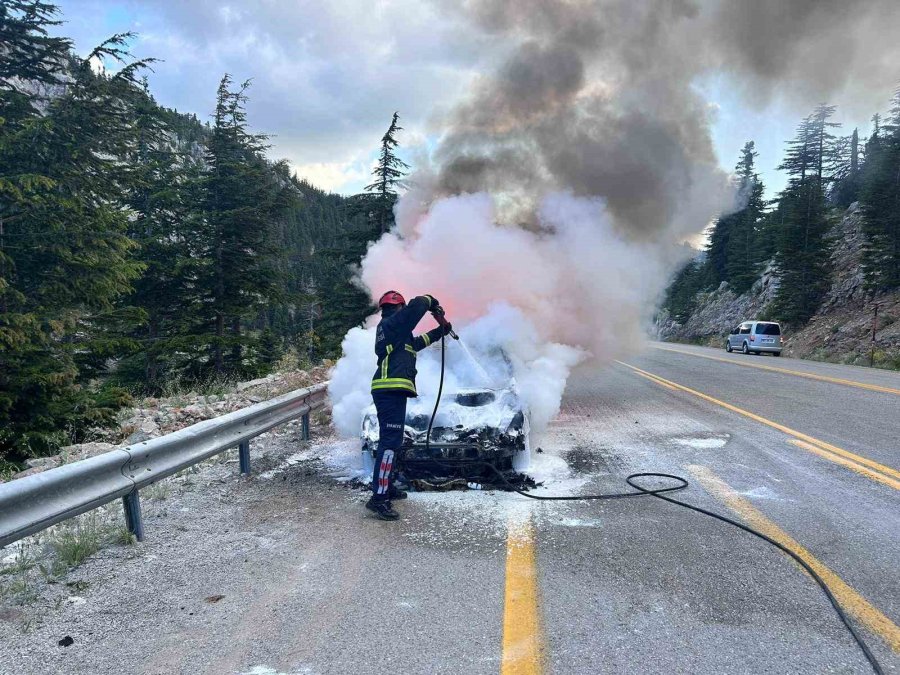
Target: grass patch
(73,544)
(18,581)
(123,537)
(8,470)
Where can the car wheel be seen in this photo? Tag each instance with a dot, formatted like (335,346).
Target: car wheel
(776,353)
(728,346)
(745,348)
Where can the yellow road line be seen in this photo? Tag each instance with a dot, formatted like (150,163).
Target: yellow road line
(659,382)
(887,471)
(853,466)
(776,369)
(860,608)
(521,622)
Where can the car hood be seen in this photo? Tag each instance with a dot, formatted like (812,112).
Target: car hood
(463,415)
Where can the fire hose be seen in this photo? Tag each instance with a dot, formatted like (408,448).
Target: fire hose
(633,481)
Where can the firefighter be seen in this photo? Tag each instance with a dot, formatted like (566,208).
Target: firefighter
(394,382)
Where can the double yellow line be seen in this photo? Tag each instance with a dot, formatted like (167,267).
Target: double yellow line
(861,465)
(864,611)
(786,371)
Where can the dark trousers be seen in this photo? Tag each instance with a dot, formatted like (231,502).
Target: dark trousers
(391,407)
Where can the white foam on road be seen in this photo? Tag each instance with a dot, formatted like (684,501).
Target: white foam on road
(763,493)
(342,458)
(578,522)
(460,515)
(702,442)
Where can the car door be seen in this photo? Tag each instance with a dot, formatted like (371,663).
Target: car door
(743,334)
(734,339)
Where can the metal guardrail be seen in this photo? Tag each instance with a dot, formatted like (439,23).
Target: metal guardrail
(33,503)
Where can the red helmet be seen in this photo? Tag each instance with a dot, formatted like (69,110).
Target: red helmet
(391,298)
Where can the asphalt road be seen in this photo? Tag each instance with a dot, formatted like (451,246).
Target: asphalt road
(480,582)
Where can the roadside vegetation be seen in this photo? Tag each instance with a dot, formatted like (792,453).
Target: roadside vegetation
(29,565)
(788,237)
(144,252)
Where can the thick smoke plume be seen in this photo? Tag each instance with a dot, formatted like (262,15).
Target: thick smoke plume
(541,300)
(562,185)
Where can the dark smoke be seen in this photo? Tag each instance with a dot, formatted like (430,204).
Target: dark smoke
(597,97)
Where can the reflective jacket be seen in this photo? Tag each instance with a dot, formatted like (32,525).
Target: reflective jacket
(396,347)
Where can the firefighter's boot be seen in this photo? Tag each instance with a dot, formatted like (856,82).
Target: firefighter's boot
(382,509)
(396,493)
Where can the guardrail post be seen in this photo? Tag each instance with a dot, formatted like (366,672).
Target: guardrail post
(244,457)
(304,427)
(133,520)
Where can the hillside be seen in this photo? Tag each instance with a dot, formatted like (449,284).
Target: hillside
(841,329)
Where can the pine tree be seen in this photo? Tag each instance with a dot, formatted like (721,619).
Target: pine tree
(715,269)
(733,253)
(881,205)
(388,178)
(803,253)
(166,226)
(244,197)
(743,253)
(682,292)
(65,257)
(847,178)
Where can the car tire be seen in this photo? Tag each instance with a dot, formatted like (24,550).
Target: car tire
(728,347)
(776,353)
(745,348)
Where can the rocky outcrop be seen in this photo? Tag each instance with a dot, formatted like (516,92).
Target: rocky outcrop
(841,331)
(719,310)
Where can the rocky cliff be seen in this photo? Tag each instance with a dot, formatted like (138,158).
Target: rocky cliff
(841,331)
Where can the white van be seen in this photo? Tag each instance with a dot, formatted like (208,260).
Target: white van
(756,337)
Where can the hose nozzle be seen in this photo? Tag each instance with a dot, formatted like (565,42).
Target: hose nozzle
(438,314)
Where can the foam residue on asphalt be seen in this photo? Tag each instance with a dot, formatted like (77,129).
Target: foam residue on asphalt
(466,517)
(342,459)
(579,522)
(470,519)
(702,442)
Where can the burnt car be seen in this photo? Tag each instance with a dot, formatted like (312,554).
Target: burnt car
(473,428)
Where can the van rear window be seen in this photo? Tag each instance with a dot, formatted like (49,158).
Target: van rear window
(768,329)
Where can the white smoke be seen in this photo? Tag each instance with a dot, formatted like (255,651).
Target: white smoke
(539,301)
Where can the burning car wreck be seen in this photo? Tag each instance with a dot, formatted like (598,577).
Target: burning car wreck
(473,428)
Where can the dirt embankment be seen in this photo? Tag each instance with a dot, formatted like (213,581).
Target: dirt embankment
(840,332)
(152,417)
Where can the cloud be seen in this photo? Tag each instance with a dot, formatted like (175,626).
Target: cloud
(326,76)
(334,176)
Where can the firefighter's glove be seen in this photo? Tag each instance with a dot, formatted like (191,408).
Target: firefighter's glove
(447,327)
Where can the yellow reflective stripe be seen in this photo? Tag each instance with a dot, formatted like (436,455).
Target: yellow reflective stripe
(384,364)
(430,300)
(393,383)
(410,349)
(393,380)
(426,338)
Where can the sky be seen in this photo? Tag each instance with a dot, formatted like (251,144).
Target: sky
(327,76)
